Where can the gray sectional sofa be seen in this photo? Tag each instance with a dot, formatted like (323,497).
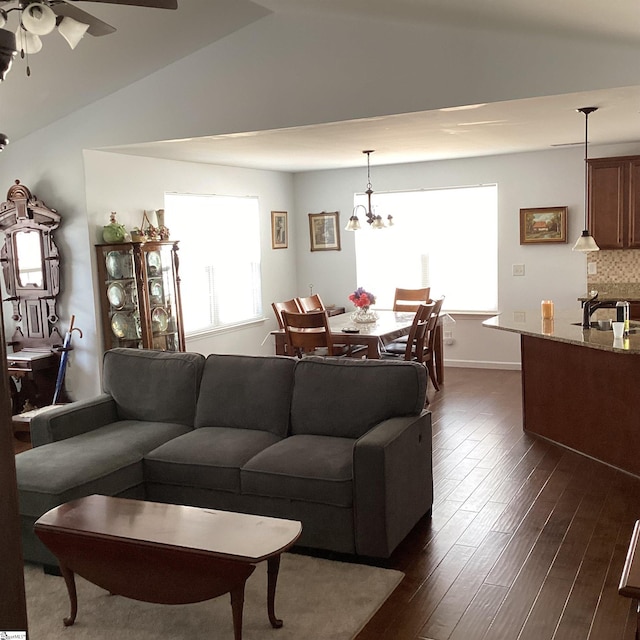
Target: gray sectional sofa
(342,445)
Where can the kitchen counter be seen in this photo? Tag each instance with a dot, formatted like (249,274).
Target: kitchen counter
(565,327)
(578,385)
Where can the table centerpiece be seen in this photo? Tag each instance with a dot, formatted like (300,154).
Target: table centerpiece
(363,300)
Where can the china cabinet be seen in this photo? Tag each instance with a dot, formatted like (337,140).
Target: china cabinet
(614,202)
(140,295)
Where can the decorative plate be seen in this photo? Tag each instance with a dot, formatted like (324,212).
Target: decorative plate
(159,319)
(114,264)
(119,325)
(154,261)
(116,294)
(155,289)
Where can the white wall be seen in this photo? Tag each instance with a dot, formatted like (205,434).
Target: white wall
(283,71)
(129,185)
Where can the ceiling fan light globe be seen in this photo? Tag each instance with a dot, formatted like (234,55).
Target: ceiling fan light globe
(72,31)
(38,19)
(28,42)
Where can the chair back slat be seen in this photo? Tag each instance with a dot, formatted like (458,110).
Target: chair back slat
(291,306)
(409,299)
(419,332)
(307,331)
(311,303)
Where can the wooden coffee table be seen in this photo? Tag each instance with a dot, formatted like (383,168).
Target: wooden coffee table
(164,553)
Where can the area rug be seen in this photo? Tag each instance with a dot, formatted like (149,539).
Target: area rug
(317,599)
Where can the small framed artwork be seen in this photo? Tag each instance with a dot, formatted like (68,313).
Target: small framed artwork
(279,230)
(545,224)
(324,229)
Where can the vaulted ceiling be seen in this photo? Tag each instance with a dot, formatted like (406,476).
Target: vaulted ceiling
(147,40)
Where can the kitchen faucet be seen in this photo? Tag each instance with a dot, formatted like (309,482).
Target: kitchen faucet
(591,305)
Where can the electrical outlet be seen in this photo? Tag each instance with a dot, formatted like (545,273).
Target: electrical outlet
(592,268)
(517,269)
(519,316)
(448,337)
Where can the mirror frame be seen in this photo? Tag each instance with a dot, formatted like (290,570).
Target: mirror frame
(34,307)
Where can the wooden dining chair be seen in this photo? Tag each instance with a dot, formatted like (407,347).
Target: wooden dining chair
(309,333)
(428,355)
(409,299)
(416,344)
(311,303)
(291,306)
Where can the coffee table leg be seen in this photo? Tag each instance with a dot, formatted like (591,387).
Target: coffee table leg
(70,581)
(273,566)
(237,605)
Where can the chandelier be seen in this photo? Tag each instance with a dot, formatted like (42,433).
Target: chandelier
(374,220)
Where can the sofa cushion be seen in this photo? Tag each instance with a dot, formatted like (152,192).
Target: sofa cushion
(160,386)
(107,460)
(306,467)
(345,398)
(209,457)
(246,392)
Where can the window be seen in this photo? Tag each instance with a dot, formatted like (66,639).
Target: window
(220,278)
(443,238)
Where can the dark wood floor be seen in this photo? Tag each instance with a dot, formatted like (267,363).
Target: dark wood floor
(527,540)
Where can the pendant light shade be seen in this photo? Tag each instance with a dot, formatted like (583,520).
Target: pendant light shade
(28,42)
(38,18)
(72,31)
(586,242)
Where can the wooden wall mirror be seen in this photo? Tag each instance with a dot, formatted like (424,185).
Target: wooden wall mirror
(31,267)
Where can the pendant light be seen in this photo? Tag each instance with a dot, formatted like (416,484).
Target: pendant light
(374,220)
(586,242)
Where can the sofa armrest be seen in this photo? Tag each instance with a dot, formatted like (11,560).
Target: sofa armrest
(72,419)
(393,482)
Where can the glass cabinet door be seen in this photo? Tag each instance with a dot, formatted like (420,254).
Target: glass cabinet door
(163,296)
(121,322)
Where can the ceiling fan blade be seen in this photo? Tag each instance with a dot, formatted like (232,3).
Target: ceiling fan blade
(96,26)
(156,4)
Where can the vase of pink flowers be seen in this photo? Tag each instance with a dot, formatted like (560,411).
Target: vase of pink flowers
(363,300)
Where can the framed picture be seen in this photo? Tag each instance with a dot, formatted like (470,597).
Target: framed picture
(324,230)
(279,230)
(546,224)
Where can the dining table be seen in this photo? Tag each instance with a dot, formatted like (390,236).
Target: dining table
(389,326)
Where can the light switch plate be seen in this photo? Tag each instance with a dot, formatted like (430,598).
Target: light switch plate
(519,316)
(517,269)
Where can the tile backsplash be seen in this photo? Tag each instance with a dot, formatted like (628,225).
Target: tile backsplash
(614,267)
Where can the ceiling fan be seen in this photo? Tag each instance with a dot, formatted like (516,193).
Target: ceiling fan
(39,17)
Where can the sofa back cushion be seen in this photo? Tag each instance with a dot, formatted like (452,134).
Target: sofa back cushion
(246,392)
(346,398)
(158,386)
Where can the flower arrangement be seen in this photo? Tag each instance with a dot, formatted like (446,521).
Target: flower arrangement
(362,299)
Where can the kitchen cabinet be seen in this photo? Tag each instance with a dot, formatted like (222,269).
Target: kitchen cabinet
(140,295)
(614,201)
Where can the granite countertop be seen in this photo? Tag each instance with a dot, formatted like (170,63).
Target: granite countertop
(629,291)
(565,327)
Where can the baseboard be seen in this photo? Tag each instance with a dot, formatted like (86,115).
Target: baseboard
(483,364)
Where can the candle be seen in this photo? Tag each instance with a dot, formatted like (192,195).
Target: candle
(546,308)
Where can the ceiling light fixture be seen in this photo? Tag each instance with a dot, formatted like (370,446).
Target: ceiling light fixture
(39,19)
(375,221)
(586,242)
